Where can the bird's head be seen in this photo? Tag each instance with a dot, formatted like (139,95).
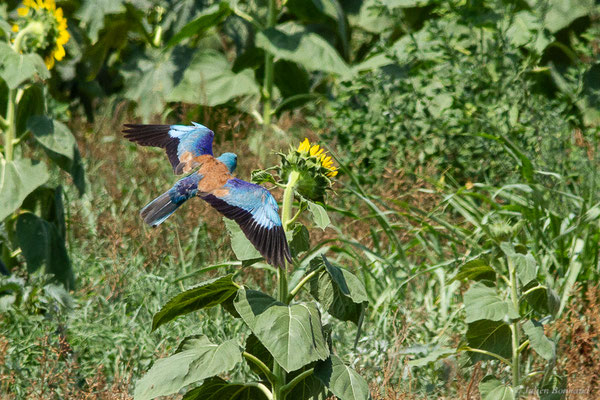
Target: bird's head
(230,161)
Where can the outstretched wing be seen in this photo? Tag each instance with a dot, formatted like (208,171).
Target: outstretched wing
(256,212)
(181,142)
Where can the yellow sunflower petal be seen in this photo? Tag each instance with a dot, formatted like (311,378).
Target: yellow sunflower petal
(332,173)
(304,146)
(59,53)
(49,61)
(314,149)
(58,13)
(63,38)
(15,28)
(22,11)
(29,3)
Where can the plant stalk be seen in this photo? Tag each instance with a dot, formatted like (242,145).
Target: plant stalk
(9,135)
(268,85)
(514,327)
(282,292)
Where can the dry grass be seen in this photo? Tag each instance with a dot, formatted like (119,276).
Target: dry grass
(59,376)
(579,346)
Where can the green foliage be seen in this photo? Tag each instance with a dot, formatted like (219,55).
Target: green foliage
(195,359)
(32,220)
(289,346)
(469,69)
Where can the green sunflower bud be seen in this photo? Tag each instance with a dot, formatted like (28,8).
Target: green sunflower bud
(314,168)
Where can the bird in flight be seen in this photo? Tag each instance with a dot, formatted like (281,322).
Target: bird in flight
(189,149)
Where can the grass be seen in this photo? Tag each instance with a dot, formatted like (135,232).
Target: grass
(405,248)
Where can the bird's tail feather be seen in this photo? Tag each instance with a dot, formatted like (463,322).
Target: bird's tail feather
(159,209)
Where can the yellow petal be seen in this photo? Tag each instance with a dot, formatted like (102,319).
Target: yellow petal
(58,13)
(59,53)
(332,173)
(50,4)
(314,149)
(15,28)
(49,61)
(22,11)
(29,3)
(63,38)
(304,146)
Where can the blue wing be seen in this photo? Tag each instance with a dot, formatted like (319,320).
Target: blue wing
(256,212)
(181,142)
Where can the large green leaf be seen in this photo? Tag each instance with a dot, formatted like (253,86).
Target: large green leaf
(292,334)
(370,17)
(219,389)
(17,68)
(151,76)
(322,12)
(343,381)
(206,294)
(538,340)
(483,302)
(209,81)
(53,135)
(524,264)
(294,43)
(491,388)
(17,179)
(475,269)
(32,103)
(560,13)
(310,387)
(300,240)
(42,244)
(243,249)
(92,13)
(543,300)
(492,336)
(527,30)
(339,291)
(319,215)
(257,349)
(209,17)
(60,145)
(196,359)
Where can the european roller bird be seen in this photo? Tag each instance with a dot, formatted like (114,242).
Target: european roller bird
(189,149)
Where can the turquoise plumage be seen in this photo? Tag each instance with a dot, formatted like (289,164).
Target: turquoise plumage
(189,149)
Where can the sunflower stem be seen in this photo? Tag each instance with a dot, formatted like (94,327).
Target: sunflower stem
(11,128)
(268,85)
(282,293)
(34,27)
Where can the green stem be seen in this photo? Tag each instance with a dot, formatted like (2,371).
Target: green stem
(488,353)
(9,134)
(261,365)
(268,85)
(307,278)
(288,388)
(514,327)
(282,293)
(261,387)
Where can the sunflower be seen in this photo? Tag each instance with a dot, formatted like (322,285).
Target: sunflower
(311,168)
(50,45)
(322,157)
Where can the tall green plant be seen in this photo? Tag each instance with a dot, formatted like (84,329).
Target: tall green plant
(289,349)
(31,209)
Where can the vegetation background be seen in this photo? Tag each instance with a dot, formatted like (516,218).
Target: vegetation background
(466,133)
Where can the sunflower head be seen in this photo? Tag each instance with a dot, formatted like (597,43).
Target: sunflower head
(315,169)
(50,42)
